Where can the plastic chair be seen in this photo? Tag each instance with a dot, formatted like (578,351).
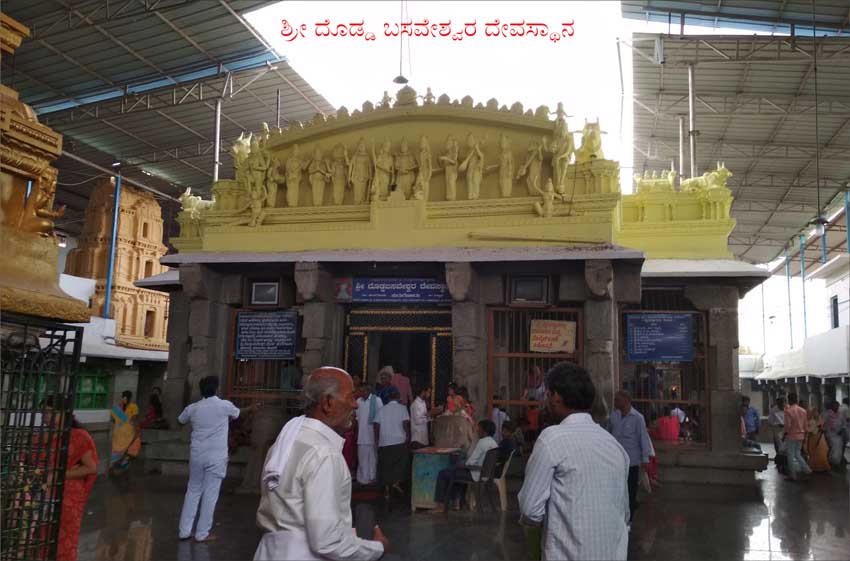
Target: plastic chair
(502,485)
(486,480)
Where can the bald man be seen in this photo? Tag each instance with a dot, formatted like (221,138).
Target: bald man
(306,461)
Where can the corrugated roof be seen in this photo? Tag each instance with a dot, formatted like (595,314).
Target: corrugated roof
(759,15)
(138,82)
(756,112)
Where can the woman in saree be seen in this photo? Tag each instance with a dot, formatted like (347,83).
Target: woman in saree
(80,474)
(126,437)
(816,446)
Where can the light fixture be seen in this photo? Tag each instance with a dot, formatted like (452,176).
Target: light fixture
(116,164)
(400,79)
(819,224)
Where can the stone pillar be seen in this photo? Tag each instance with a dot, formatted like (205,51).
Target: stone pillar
(721,305)
(600,319)
(315,290)
(176,390)
(469,362)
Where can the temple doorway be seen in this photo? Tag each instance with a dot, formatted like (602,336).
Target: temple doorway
(415,342)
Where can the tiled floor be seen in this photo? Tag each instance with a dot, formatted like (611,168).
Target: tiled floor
(779,520)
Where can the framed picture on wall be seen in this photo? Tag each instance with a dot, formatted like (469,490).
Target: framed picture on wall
(264,293)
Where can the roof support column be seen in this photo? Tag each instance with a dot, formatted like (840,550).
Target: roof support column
(681,148)
(278,109)
(847,217)
(217,139)
(788,284)
(110,271)
(803,279)
(692,133)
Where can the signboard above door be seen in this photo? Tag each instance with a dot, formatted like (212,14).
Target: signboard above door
(391,290)
(664,337)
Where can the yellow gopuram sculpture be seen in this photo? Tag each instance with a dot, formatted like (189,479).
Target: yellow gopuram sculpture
(140,314)
(496,177)
(29,276)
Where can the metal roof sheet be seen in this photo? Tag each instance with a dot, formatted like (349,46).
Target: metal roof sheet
(758,15)
(755,111)
(138,82)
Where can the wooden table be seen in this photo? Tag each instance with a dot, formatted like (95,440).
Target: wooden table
(427,464)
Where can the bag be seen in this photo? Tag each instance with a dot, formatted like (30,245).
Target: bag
(643,482)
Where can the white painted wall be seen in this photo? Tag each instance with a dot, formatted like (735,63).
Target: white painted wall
(841,289)
(772,335)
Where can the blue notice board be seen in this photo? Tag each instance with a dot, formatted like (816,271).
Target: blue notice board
(266,335)
(659,337)
(399,290)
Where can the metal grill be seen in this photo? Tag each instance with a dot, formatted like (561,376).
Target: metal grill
(399,320)
(657,387)
(38,359)
(511,364)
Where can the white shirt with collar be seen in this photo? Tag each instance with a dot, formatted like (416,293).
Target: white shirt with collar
(391,417)
(319,527)
(365,430)
(576,486)
(210,418)
(476,457)
(419,421)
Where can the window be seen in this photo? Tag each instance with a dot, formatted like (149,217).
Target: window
(92,390)
(150,319)
(148,268)
(144,229)
(833,307)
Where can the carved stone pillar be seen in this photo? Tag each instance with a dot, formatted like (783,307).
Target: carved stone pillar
(469,364)
(315,289)
(600,319)
(721,305)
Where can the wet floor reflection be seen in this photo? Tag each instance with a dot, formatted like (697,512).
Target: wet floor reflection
(137,521)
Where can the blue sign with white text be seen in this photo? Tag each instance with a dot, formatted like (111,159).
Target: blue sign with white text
(266,335)
(398,290)
(659,337)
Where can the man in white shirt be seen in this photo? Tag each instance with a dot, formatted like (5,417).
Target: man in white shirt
(469,471)
(679,414)
(210,418)
(498,417)
(575,481)
(419,419)
(392,433)
(776,421)
(368,406)
(305,504)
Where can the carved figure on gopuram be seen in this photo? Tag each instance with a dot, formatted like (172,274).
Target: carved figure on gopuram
(655,184)
(240,150)
(426,170)
(339,173)
(294,168)
(532,167)
(258,164)
(591,143)
(473,166)
(383,172)
(546,208)
(405,169)
(38,215)
(360,172)
(450,164)
(319,173)
(506,167)
(709,180)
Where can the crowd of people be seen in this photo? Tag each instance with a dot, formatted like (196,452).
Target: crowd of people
(806,441)
(352,433)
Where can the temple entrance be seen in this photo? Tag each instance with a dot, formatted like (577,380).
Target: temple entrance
(417,343)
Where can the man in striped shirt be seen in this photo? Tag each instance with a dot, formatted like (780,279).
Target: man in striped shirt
(575,482)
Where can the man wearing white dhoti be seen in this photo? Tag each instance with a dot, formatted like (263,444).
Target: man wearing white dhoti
(306,461)
(367,448)
(210,419)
